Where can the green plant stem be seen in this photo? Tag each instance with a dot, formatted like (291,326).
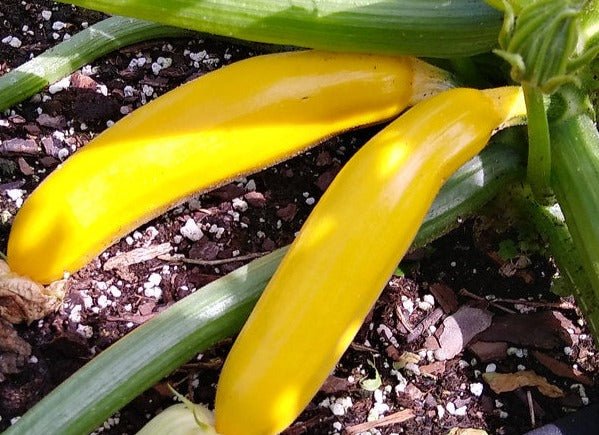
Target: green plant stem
(575,177)
(550,224)
(156,348)
(539,147)
(418,27)
(84,47)
(589,23)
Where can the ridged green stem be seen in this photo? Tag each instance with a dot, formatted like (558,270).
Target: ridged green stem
(550,224)
(84,47)
(156,348)
(417,27)
(539,148)
(589,22)
(575,177)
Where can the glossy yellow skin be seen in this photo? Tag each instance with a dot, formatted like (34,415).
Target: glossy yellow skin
(230,122)
(344,255)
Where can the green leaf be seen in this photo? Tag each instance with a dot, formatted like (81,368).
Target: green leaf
(371,384)
(419,27)
(399,273)
(507,250)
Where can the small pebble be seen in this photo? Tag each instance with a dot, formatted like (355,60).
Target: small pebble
(58,25)
(250,186)
(476,389)
(60,85)
(15,42)
(155,279)
(103,301)
(240,204)
(191,230)
(114,291)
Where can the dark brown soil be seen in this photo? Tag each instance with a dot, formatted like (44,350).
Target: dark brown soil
(103,306)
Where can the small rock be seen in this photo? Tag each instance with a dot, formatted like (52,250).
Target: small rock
(82,81)
(15,42)
(268,245)
(56,122)
(32,129)
(288,212)
(325,179)
(323,158)
(255,199)
(59,86)
(19,146)
(25,167)
(239,204)
(58,25)
(459,329)
(207,250)
(191,230)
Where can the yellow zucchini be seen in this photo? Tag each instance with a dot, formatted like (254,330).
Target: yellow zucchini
(345,252)
(230,122)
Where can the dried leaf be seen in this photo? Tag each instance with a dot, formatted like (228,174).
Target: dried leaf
(405,359)
(10,340)
(445,296)
(371,384)
(486,351)
(137,255)
(434,368)
(395,418)
(334,385)
(562,369)
(503,382)
(544,329)
(23,300)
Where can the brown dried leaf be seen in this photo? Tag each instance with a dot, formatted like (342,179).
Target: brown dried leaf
(433,369)
(445,296)
(562,369)
(23,300)
(544,329)
(504,382)
(486,351)
(334,385)
(10,340)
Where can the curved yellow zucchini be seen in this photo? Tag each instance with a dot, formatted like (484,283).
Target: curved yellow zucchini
(230,122)
(344,255)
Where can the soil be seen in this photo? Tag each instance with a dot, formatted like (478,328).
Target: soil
(466,269)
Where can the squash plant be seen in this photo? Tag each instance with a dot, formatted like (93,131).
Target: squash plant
(549,45)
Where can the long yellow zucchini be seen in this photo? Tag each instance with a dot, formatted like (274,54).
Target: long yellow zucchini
(345,252)
(230,122)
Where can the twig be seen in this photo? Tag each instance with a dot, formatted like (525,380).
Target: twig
(429,320)
(178,259)
(402,319)
(563,305)
(362,348)
(531,409)
(397,417)
(466,293)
